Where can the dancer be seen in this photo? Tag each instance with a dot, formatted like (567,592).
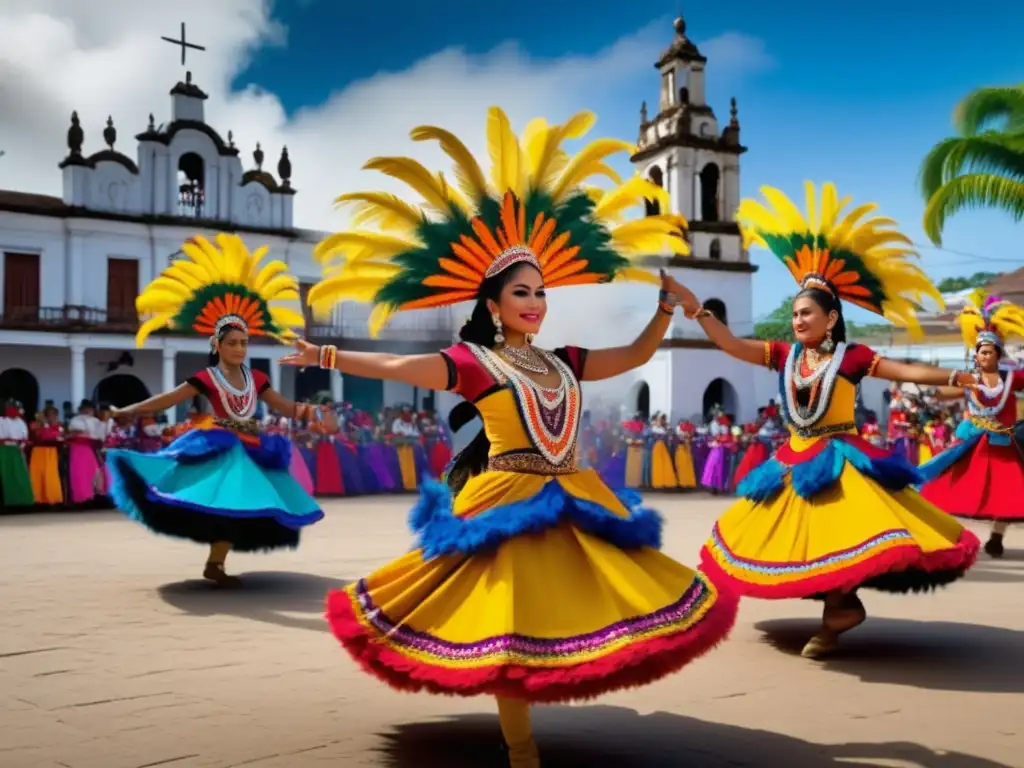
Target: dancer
(85,438)
(536,583)
(830,513)
(224,483)
(15,483)
(981,476)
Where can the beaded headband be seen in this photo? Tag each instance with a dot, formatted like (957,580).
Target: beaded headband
(988,337)
(517,254)
(817,281)
(233,320)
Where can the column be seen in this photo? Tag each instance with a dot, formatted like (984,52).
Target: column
(168,381)
(337,386)
(77,374)
(275,374)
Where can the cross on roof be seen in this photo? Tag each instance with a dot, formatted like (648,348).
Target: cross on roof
(183,43)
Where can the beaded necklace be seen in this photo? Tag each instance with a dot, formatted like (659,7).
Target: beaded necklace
(238,403)
(822,386)
(550,415)
(979,409)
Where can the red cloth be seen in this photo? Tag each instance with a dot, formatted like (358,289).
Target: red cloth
(328,480)
(757,453)
(987,483)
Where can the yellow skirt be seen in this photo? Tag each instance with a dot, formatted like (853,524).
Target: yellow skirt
(854,533)
(44,473)
(684,466)
(924,453)
(407,467)
(634,466)
(663,473)
(544,589)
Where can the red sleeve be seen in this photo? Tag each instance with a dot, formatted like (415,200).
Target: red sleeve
(859,362)
(466,376)
(260,381)
(201,381)
(575,358)
(775,354)
(1018,381)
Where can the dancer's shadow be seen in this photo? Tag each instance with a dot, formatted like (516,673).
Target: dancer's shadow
(995,572)
(272,597)
(616,737)
(937,655)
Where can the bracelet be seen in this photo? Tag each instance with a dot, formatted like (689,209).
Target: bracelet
(670,299)
(328,356)
(951,381)
(668,309)
(699,314)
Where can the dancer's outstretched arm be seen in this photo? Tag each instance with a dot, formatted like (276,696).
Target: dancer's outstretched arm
(923,373)
(160,402)
(424,371)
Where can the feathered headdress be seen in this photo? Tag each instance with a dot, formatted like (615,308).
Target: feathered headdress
(536,210)
(989,320)
(218,285)
(863,261)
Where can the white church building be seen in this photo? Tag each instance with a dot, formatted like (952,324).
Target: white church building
(72,266)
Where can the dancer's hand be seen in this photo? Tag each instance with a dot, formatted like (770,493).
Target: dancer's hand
(122,415)
(966,380)
(304,356)
(684,295)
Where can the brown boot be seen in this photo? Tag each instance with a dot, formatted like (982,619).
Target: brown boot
(215,572)
(839,616)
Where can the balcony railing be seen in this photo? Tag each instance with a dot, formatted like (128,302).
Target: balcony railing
(439,331)
(68,318)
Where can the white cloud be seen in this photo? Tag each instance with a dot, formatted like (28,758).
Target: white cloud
(105,58)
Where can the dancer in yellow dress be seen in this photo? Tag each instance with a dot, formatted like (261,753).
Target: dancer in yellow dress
(535,583)
(829,512)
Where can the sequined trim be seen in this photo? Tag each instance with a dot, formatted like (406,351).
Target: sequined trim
(246,427)
(550,416)
(885,539)
(767,354)
(675,618)
(531,464)
(832,429)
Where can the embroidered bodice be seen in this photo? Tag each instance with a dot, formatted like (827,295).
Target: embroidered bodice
(996,404)
(531,428)
(226,400)
(822,401)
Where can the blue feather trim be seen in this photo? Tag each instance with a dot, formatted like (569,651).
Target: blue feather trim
(442,533)
(821,472)
(943,461)
(197,445)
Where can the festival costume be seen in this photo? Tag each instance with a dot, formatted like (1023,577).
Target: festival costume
(87,478)
(716,472)
(44,464)
(663,472)
(225,480)
(756,452)
(15,483)
(684,455)
(535,582)
(830,511)
(981,476)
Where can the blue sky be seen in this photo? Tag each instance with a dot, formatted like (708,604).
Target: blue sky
(823,96)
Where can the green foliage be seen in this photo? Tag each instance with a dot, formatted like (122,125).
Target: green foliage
(977,280)
(981,167)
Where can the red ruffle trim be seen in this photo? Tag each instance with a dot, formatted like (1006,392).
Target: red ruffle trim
(637,664)
(959,558)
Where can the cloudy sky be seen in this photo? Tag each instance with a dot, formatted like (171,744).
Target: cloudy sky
(854,96)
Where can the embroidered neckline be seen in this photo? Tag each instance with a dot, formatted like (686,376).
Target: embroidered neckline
(990,411)
(237,403)
(550,415)
(819,405)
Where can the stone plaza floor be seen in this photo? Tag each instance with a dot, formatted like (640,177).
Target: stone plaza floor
(113,654)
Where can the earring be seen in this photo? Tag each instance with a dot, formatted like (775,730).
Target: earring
(827,345)
(530,337)
(499,337)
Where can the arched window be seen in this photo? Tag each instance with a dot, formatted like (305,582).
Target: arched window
(684,95)
(191,185)
(722,394)
(651,207)
(715,251)
(709,178)
(20,385)
(120,390)
(717,308)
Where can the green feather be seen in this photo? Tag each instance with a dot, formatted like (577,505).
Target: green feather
(191,309)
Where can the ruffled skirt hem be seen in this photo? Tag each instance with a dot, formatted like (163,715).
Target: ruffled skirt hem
(898,569)
(642,661)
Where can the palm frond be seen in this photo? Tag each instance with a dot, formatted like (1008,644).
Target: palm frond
(987,153)
(980,109)
(977,190)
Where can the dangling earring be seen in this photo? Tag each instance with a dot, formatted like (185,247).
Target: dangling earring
(530,337)
(499,337)
(827,345)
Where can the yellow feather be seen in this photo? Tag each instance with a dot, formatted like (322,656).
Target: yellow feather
(386,210)
(278,285)
(637,275)
(506,154)
(269,271)
(811,195)
(377,244)
(579,125)
(784,210)
(412,173)
(202,258)
(154,323)
(467,171)
(337,289)
(634,192)
(185,272)
(379,316)
(286,317)
(582,166)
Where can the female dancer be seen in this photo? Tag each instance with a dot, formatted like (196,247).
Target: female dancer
(981,476)
(223,483)
(15,482)
(830,513)
(536,583)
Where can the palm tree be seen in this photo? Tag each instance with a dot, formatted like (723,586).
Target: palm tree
(983,166)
